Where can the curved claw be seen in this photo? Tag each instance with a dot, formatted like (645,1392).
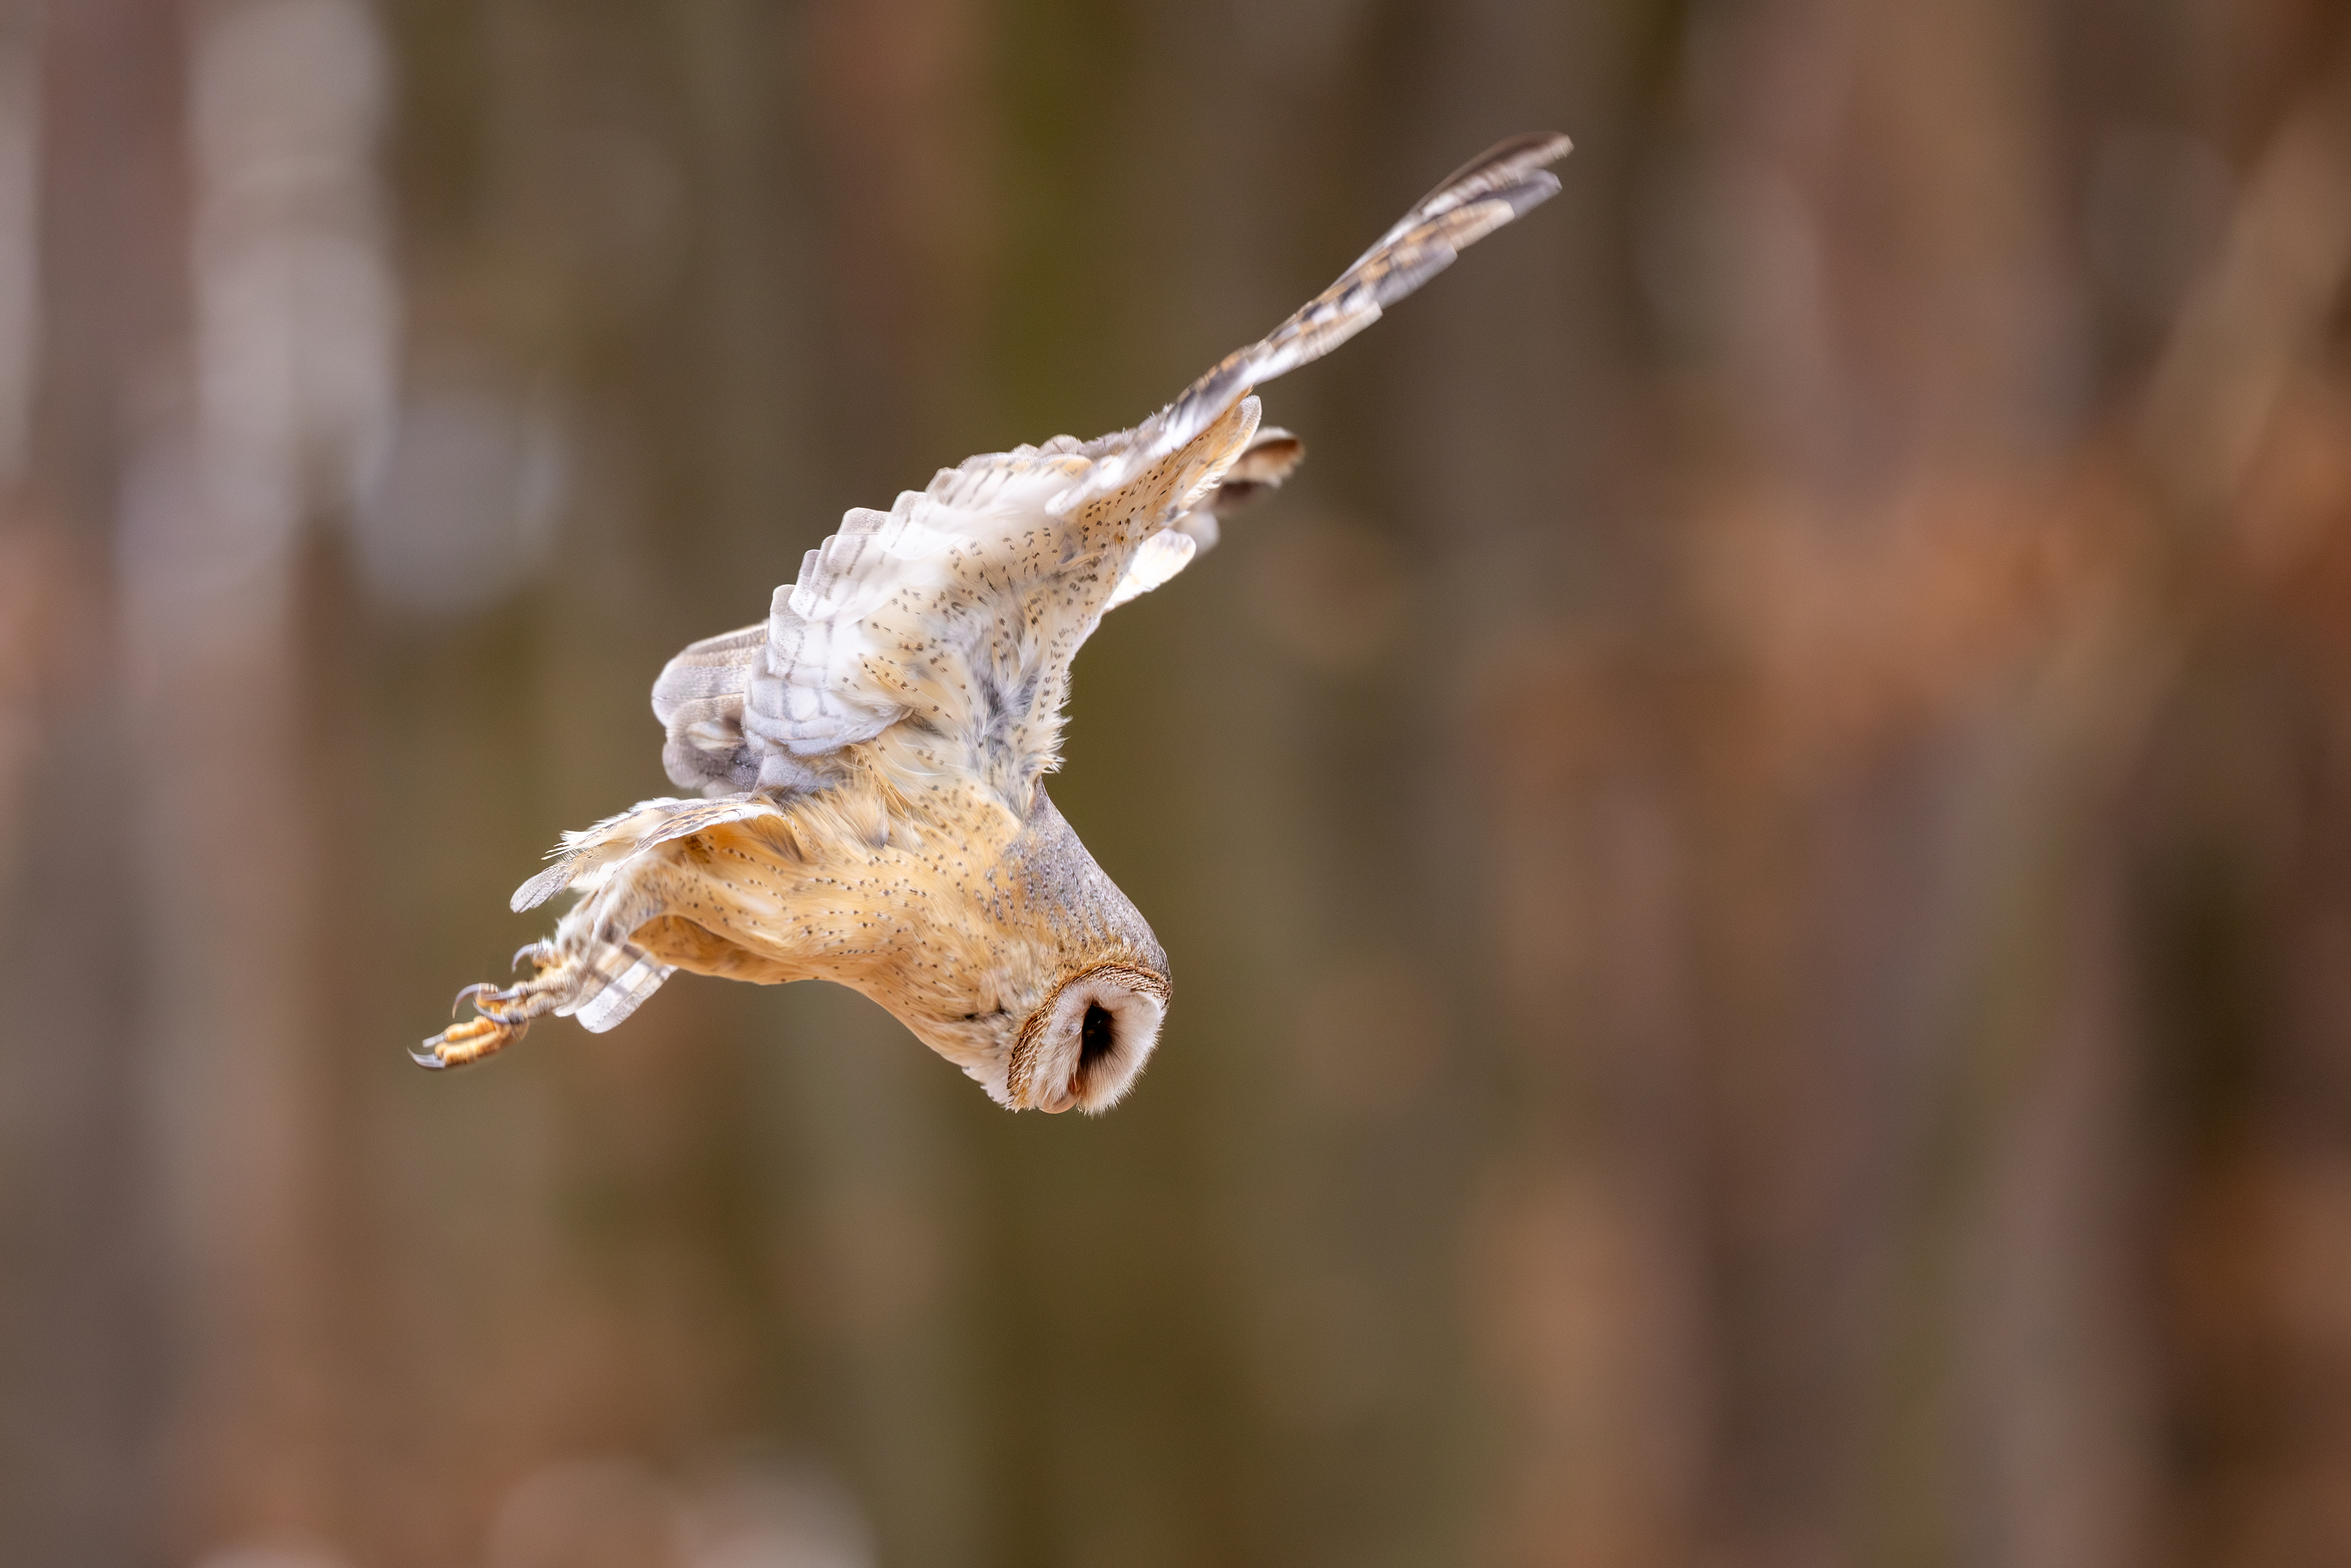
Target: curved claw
(462,1044)
(531,950)
(476,988)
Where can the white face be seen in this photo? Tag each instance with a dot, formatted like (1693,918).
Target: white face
(1091,1040)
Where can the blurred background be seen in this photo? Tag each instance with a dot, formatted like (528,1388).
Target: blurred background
(1757,852)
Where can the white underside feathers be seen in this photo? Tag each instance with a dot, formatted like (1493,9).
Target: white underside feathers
(1065,1073)
(1157,559)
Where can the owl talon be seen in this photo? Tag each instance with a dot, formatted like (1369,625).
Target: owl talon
(482,991)
(539,953)
(462,1043)
(503,1013)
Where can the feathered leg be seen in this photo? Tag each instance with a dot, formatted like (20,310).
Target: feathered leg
(590,968)
(596,978)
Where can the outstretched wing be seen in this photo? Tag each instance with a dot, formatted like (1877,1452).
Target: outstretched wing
(948,621)
(1492,189)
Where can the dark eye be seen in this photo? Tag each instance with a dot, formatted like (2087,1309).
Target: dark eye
(1097,1037)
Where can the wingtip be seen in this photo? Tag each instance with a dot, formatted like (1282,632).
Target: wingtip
(1531,149)
(1511,170)
(1513,157)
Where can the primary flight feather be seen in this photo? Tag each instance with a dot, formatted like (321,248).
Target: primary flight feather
(874,751)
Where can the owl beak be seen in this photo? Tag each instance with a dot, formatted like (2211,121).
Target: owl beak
(1034,1086)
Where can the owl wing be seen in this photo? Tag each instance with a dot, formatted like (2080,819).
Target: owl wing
(1492,189)
(947,624)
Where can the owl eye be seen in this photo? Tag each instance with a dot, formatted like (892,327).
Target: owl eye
(1097,1037)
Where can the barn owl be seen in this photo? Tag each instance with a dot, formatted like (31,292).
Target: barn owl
(873,755)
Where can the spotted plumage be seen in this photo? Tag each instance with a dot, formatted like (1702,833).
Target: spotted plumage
(873,753)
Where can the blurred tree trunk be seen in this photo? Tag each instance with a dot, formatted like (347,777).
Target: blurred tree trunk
(1754,850)
(84,1298)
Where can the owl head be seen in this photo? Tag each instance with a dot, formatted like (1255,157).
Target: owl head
(1086,1044)
(1071,985)
(1074,1037)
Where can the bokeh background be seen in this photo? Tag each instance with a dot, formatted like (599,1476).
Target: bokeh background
(1757,852)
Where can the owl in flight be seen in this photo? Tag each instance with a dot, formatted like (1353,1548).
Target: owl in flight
(874,754)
